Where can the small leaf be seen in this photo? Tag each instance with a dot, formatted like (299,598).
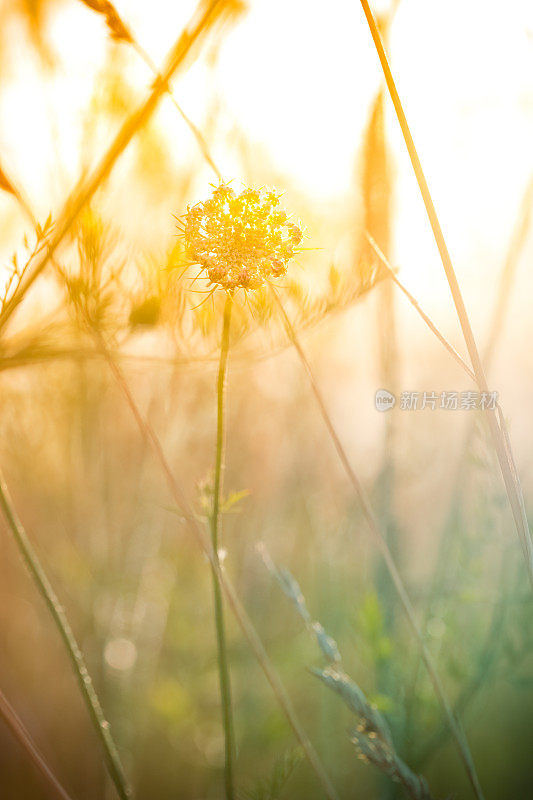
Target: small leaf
(233,499)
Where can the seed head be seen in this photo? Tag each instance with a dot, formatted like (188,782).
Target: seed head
(240,240)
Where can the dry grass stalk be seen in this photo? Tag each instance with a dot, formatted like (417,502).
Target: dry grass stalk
(123,33)
(5,183)
(499,436)
(372,524)
(19,732)
(416,305)
(205,18)
(74,653)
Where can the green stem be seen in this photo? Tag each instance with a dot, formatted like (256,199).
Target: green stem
(31,560)
(240,614)
(222,652)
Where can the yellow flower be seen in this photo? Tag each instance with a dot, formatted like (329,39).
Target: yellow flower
(240,240)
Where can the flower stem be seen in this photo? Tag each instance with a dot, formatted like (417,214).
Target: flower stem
(223,668)
(235,604)
(77,661)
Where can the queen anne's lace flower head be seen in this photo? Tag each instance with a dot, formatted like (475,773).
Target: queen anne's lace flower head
(240,240)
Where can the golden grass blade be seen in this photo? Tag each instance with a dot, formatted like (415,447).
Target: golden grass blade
(206,16)
(512,484)
(433,328)
(123,33)
(8,185)
(196,132)
(453,352)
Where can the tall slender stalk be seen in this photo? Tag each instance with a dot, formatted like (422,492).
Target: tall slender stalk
(222,650)
(377,189)
(61,622)
(499,436)
(451,350)
(239,612)
(15,725)
(444,543)
(372,523)
(498,613)
(122,32)
(515,248)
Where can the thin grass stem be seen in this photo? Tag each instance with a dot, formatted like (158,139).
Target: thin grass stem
(372,523)
(444,544)
(19,732)
(512,483)
(203,19)
(196,132)
(222,649)
(81,673)
(239,612)
(431,325)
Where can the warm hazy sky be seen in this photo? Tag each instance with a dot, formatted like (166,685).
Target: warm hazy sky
(298,77)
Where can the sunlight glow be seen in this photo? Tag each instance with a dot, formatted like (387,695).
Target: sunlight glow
(295,80)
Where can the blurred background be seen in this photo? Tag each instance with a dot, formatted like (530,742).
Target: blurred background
(287,95)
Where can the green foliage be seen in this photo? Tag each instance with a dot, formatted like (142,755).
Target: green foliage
(371,628)
(372,737)
(272,787)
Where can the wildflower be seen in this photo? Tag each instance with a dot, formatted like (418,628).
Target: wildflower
(240,240)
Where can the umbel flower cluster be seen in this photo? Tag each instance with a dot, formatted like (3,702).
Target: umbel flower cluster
(240,240)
